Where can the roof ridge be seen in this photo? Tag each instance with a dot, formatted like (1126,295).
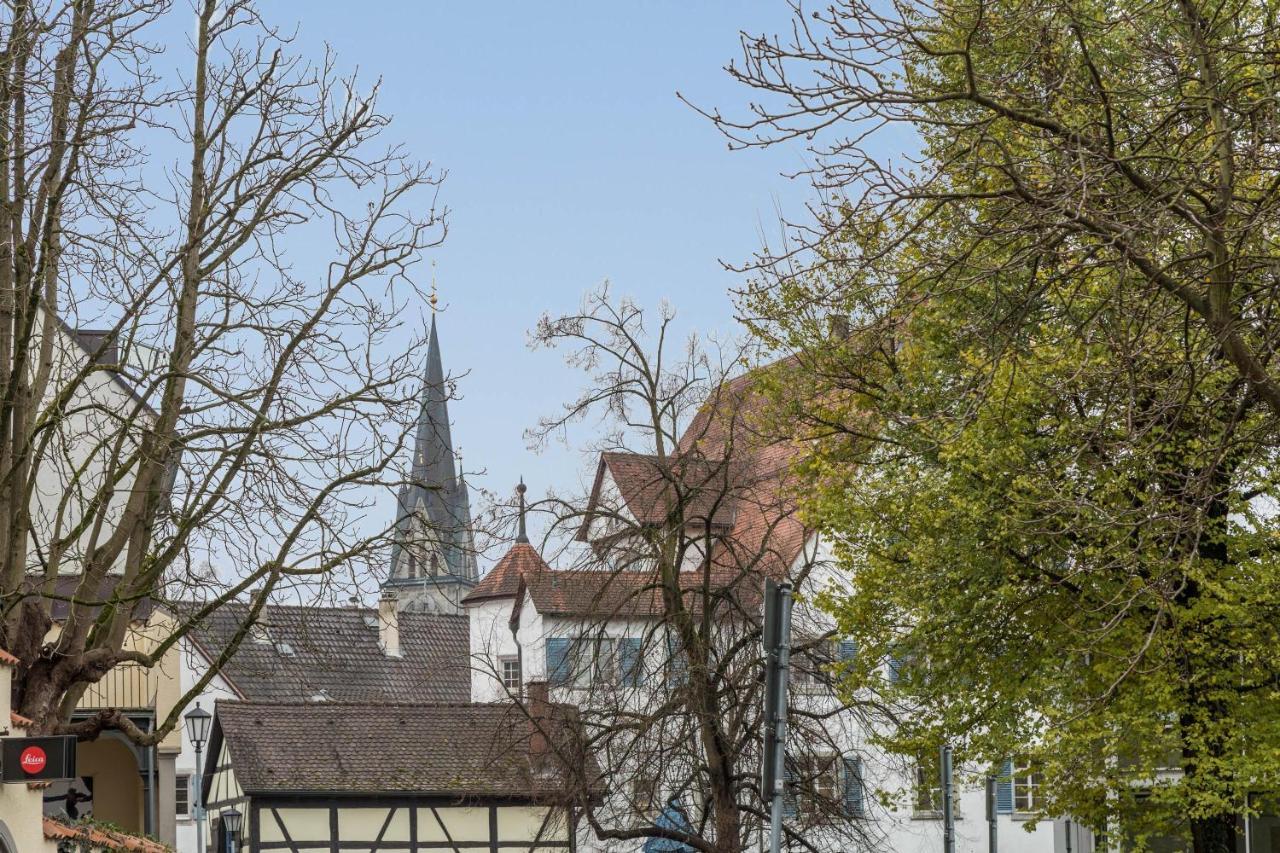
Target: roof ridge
(346,703)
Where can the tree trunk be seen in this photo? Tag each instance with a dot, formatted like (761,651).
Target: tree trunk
(1215,834)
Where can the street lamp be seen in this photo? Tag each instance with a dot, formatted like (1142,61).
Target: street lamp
(198,721)
(232,823)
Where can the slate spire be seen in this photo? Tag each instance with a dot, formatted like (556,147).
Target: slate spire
(433,525)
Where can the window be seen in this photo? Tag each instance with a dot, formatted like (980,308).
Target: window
(511,680)
(824,787)
(819,785)
(584,661)
(811,666)
(1026,787)
(595,661)
(182,795)
(928,799)
(644,799)
(606,662)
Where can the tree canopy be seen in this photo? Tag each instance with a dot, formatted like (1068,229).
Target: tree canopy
(1044,441)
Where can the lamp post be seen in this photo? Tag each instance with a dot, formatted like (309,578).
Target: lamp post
(198,721)
(232,823)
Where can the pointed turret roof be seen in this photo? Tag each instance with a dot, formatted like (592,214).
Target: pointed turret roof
(436,490)
(503,580)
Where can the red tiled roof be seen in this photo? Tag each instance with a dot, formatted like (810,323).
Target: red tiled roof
(656,490)
(55,830)
(503,580)
(8,659)
(750,497)
(19,720)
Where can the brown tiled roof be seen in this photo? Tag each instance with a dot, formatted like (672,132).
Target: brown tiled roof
(656,490)
(750,498)
(101,837)
(503,580)
(450,750)
(69,587)
(333,652)
(766,535)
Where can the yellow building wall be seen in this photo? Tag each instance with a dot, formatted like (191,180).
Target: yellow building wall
(117,787)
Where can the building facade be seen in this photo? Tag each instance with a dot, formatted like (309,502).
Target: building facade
(316,777)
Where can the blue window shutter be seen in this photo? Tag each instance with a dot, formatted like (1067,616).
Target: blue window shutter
(788,791)
(894,669)
(558,660)
(1004,789)
(853,787)
(848,650)
(629,661)
(676,664)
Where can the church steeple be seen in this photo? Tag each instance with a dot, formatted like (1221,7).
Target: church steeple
(433,556)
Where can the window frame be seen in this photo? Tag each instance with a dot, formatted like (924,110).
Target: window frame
(503,675)
(643,790)
(1026,781)
(182,796)
(821,786)
(926,765)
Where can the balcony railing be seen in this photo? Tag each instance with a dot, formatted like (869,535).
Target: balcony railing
(127,686)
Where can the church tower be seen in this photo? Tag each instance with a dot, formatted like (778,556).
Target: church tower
(433,560)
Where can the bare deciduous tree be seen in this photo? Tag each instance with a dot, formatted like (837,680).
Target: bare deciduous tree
(217,434)
(658,606)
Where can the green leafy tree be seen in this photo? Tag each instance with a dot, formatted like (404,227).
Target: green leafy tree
(1057,387)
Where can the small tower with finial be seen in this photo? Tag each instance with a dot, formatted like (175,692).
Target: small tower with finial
(522,535)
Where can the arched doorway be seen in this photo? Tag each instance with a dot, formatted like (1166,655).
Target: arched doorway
(110,768)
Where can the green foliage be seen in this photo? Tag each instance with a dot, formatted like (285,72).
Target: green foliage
(1047,454)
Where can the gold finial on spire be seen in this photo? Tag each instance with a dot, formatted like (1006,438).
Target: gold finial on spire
(435,300)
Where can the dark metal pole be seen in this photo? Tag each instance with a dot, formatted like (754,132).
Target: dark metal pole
(948,812)
(992,814)
(780,721)
(199,800)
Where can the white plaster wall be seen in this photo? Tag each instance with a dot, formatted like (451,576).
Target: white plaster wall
(83,444)
(491,640)
(193,665)
(890,829)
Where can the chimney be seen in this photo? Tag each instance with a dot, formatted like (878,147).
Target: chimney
(838,326)
(538,706)
(389,627)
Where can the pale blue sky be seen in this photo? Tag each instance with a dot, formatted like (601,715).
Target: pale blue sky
(570,160)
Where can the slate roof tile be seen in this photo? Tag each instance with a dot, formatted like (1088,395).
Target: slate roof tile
(451,750)
(333,652)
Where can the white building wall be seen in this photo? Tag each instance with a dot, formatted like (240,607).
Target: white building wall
(889,777)
(193,667)
(80,456)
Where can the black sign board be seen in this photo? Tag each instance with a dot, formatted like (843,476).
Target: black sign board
(775,635)
(37,759)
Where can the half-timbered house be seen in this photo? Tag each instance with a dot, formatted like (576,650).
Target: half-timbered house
(334,776)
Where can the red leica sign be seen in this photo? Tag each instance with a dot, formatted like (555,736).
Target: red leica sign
(37,759)
(32,760)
